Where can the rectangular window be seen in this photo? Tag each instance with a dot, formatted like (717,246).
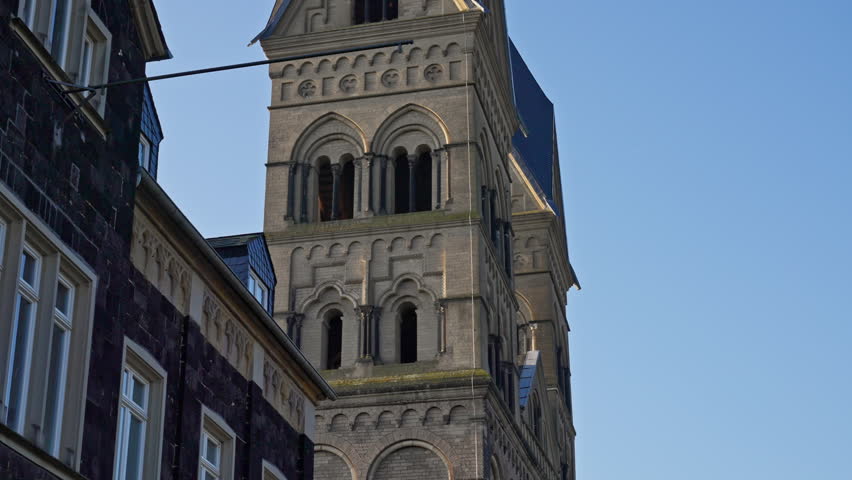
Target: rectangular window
(144,152)
(27,12)
(86,60)
(216,452)
(60,337)
(140,416)
(211,457)
(21,347)
(46,310)
(132,425)
(258,289)
(57,31)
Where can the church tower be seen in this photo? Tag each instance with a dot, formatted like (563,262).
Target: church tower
(393,181)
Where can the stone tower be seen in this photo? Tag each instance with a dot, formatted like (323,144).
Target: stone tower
(421,263)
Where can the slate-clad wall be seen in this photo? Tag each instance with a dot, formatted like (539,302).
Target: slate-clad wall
(83,188)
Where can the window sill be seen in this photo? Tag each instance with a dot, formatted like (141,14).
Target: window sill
(37,456)
(57,73)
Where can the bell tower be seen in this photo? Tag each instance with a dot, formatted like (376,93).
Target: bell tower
(388,216)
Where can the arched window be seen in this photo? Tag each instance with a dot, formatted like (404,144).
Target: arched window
(535,418)
(325,190)
(423,183)
(333,339)
(346,194)
(401,183)
(408,334)
(368,11)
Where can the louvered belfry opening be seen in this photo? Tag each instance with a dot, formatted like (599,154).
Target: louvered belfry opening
(370,11)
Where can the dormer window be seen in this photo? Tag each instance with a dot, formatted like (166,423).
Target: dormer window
(144,152)
(258,289)
(370,11)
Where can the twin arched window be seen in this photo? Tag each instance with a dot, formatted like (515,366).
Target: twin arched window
(369,11)
(412,182)
(336,189)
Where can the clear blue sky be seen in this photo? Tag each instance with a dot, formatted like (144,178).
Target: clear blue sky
(707,156)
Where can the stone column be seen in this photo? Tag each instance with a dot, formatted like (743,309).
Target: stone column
(412,185)
(294,327)
(441,310)
(365,194)
(437,180)
(291,190)
(383,185)
(384,9)
(335,191)
(368,346)
(303,214)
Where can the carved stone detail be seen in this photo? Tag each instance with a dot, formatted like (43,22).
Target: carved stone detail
(348,84)
(307,89)
(226,334)
(158,261)
(390,78)
(433,73)
(283,395)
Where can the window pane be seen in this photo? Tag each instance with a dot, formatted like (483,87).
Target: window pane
(60,26)
(29,271)
(63,298)
(212,454)
(139,392)
(18,369)
(55,387)
(144,152)
(135,442)
(86,62)
(28,12)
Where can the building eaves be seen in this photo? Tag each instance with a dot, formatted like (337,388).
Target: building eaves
(168,207)
(150,30)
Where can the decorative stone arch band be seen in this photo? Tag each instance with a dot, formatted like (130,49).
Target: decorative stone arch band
(345,453)
(427,441)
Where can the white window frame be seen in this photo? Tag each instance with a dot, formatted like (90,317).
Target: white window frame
(271,472)
(24,292)
(213,426)
(28,18)
(23,231)
(64,322)
(96,71)
(140,364)
(87,58)
(144,152)
(66,27)
(256,286)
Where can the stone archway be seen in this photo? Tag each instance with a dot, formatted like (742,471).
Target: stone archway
(410,460)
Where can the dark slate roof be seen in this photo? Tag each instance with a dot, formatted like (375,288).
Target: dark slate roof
(152,129)
(534,143)
(528,370)
(233,240)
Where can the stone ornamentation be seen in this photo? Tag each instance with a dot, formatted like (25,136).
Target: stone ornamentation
(348,84)
(307,89)
(433,73)
(390,78)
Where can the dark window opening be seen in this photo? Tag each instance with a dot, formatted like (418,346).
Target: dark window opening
(334,341)
(408,335)
(423,183)
(325,191)
(401,184)
(369,11)
(536,419)
(345,201)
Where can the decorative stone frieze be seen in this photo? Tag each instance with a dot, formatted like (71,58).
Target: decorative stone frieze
(157,260)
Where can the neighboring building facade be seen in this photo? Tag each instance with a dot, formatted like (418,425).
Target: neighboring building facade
(128,349)
(414,218)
